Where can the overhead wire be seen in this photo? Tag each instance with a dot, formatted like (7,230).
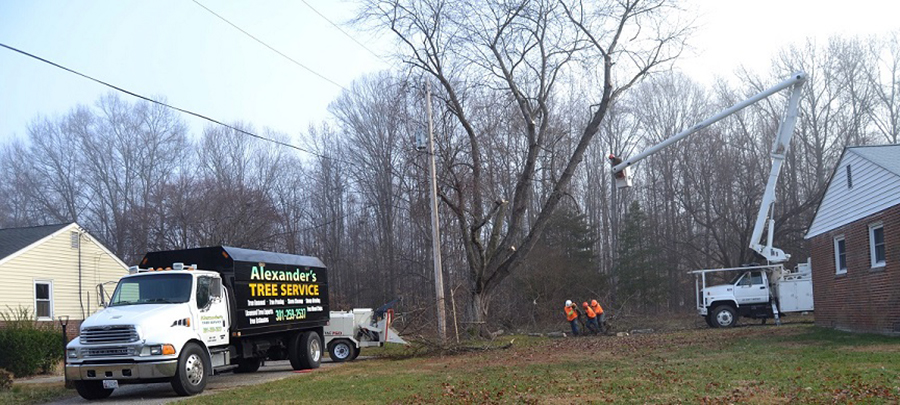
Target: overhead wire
(338,27)
(270,47)
(181,110)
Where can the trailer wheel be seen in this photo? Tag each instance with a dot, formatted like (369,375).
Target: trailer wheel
(341,350)
(92,389)
(190,377)
(249,365)
(724,316)
(305,351)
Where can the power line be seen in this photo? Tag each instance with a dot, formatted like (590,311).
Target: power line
(188,112)
(342,30)
(270,48)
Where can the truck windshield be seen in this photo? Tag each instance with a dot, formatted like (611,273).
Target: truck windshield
(155,289)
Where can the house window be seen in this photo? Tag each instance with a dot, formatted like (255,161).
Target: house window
(74,240)
(43,300)
(876,244)
(840,255)
(849,177)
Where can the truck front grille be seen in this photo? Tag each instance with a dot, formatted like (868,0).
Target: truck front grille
(107,351)
(109,334)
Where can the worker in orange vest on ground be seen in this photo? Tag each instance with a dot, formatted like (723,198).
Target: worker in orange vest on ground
(572,316)
(592,318)
(599,311)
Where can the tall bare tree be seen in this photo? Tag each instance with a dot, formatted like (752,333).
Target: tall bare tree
(520,50)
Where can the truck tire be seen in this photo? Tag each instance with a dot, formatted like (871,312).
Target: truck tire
(341,350)
(305,351)
(190,376)
(355,354)
(92,389)
(709,320)
(250,365)
(724,316)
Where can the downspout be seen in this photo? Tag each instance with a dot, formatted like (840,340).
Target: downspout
(80,289)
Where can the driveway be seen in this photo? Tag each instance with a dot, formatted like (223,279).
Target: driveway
(162,393)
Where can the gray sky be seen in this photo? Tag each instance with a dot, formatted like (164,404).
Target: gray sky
(178,50)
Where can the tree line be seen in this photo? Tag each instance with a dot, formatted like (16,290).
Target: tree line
(530,97)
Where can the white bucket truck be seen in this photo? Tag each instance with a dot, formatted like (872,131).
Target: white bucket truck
(186,314)
(758,292)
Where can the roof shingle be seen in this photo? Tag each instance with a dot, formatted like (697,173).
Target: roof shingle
(13,240)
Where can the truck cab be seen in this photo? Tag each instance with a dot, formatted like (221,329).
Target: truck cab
(747,294)
(153,318)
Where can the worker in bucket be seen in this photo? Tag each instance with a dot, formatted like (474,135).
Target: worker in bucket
(572,316)
(601,317)
(591,318)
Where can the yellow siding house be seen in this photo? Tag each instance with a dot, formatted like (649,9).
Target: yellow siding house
(53,271)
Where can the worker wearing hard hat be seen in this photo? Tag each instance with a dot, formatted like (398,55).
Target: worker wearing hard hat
(599,311)
(572,316)
(591,318)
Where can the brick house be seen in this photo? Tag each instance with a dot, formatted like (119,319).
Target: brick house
(855,243)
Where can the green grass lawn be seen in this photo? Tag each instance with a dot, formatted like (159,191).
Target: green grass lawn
(757,364)
(33,393)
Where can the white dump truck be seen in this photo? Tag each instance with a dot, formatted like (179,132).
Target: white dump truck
(758,292)
(349,331)
(186,314)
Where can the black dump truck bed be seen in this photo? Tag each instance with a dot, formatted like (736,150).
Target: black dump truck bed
(271,291)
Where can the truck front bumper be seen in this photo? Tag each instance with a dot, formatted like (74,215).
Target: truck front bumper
(122,371)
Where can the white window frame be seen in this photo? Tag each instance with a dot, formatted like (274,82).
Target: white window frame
(872,228)
(837,255)
(49,292)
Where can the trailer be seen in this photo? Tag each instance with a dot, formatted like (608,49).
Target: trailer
(349,331)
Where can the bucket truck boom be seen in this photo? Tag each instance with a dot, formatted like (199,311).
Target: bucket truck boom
(779,150)
(757,291)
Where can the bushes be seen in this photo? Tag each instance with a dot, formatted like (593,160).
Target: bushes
(27,347)
(6,380)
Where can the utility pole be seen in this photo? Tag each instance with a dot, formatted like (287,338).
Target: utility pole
(435,225)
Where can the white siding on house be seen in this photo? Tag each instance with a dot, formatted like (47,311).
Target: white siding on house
(874,189)
(55,260)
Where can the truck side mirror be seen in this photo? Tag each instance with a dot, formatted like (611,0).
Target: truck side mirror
(203,284)
(215,288)
(101,295)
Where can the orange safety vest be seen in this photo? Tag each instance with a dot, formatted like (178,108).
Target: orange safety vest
(598,309)
(590,312)
(571,313)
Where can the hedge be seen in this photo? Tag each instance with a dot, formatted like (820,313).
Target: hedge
(27,347)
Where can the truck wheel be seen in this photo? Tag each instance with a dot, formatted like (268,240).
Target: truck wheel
(341,350)
(709,320)
(190,377)
(248,365)
(355,354)
(92,389)
(724,316)
(305,350)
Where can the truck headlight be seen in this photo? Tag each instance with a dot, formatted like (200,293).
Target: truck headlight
(162,349)
(72,353)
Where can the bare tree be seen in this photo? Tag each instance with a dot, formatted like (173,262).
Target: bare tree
(885,79)
(520,50)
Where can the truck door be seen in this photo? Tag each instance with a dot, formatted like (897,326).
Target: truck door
(751,288)
(213,319)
